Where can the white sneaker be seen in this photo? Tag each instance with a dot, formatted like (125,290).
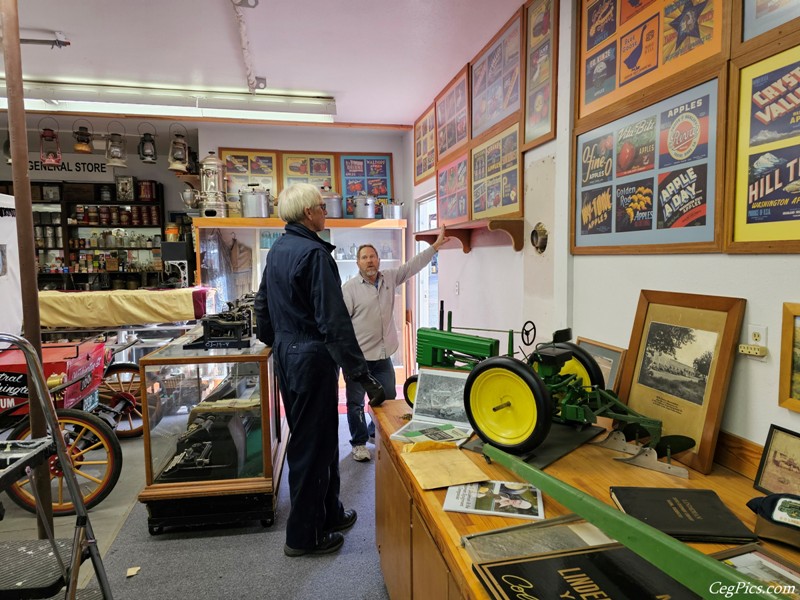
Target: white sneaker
(361,453)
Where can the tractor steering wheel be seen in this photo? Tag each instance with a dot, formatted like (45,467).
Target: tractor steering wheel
(528,333)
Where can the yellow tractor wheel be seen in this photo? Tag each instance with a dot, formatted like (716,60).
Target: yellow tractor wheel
(581,364)
(410,390)
(508,404)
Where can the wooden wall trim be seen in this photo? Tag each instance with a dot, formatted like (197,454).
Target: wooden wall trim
(738,454)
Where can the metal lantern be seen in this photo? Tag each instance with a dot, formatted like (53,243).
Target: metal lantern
(49,146)
(83,137)
(147,147)
(178,151)
(116,155)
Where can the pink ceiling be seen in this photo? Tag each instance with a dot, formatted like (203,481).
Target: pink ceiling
(383,60)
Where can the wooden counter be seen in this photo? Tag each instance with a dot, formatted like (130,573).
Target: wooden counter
(420,543)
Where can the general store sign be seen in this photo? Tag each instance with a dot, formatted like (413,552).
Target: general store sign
(73,167)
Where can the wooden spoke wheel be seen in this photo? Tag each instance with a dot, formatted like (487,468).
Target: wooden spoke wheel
(96,458)
(121,392)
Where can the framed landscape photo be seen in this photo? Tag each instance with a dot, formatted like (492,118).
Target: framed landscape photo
(789,383)
(779,469)
(452,116)
(495,75)
(609,358)
(425,146)
(541,58)
(678,366)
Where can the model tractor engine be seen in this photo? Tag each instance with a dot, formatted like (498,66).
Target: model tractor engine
(511,403)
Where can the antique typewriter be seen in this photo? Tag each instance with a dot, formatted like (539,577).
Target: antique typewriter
(232,328)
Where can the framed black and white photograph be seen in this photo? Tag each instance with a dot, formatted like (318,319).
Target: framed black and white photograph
(678,366)
(440,395)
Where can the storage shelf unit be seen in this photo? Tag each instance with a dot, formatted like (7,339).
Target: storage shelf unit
(254,237)
(61,219)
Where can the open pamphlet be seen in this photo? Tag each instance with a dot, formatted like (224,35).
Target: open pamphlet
(497,498)
(439,413)
(444,432)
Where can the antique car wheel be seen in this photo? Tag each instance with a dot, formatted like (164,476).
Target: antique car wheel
(96,457)
(410,390)
(121,391)
(507,404)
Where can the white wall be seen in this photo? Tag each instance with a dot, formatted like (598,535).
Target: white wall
(605,292)
(597,295)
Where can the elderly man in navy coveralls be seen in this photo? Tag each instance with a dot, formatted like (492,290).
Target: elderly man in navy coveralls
(301,314)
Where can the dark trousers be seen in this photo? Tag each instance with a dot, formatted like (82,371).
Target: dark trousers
(308,380)
(383,371)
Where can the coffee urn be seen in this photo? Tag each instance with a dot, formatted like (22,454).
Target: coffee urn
(212,187)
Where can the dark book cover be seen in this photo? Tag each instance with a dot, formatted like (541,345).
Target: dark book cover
(690,515)
(601,572)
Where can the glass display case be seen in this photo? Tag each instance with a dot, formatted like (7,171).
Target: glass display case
(215,436)
(232,252)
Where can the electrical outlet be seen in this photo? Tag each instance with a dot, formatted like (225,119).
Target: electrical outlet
(756,335)
(752,350)
(458,288)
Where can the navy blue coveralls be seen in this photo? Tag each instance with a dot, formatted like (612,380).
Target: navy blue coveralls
(301,314)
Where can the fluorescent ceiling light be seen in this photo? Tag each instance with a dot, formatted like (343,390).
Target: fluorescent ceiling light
(175,103)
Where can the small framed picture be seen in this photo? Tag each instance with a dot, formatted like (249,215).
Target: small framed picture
(779,470)
(51,193)
(124,188)
(761,564)
(789,382)
(608,358)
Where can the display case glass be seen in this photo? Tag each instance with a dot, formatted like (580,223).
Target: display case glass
(213,428)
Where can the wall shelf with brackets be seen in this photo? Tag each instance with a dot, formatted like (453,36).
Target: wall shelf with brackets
(463,232)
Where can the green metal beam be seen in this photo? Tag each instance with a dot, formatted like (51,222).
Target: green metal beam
(692,568)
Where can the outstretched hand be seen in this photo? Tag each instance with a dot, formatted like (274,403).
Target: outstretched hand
(441,239)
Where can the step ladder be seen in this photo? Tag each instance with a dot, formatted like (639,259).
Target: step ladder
(46,568)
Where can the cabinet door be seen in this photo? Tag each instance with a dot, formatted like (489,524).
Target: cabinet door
(429,579)
(392,527)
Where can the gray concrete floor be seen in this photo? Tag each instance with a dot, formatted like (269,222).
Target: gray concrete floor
(106,518)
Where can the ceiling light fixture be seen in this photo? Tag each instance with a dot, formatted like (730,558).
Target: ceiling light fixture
(164,102)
